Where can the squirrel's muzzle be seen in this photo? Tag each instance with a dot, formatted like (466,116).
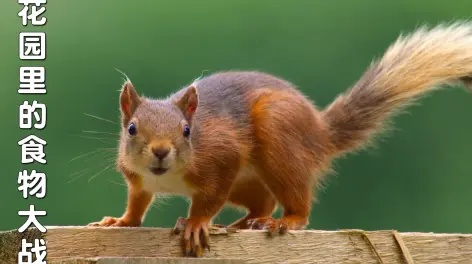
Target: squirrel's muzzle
(160,153)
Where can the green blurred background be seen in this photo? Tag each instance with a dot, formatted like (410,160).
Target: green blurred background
(418,179)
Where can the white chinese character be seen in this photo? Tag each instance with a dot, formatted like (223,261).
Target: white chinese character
(32,219)
(32,80)
(27,112)
(32,45)
(35,183)
(35,12)
(39,251)
(32,149)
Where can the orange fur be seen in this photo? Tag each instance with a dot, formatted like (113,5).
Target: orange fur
(138,202)
(214,165)
(291,151)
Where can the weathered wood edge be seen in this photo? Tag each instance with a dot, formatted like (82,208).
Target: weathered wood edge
(226,231)
(147,261)
(10,243)
(347,246)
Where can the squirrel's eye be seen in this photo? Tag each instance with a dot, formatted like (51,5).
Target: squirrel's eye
(132,129)
(186,131)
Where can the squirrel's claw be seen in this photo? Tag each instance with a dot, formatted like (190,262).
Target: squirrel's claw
(264,223)
(179,225)
(109,221)
(205,237)
(261,223)
(196,236)
(274,226)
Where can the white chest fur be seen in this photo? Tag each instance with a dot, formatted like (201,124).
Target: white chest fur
(173,182)
(168,183)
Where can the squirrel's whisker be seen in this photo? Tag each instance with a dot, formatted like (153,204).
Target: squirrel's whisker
(117,183)
(78,172)
(102,154)
(75,178)
(122,184)
(100,132)
(101,118)
(86,154)
(81,173)
(101,139)
(98,173)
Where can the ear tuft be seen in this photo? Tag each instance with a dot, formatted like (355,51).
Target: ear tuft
(188,103)
(129,101)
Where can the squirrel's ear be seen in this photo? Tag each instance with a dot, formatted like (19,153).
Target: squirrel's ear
(188,102)
(129,101)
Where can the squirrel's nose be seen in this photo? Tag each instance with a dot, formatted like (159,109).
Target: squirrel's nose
(160,153)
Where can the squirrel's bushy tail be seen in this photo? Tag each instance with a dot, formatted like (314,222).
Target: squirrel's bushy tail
(413,65)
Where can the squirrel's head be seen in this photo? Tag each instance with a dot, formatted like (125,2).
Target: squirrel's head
(156,134)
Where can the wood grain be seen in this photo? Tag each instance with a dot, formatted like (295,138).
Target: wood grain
(309,246)
(147,261)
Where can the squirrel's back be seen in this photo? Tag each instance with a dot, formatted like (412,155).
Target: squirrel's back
(226,93)
(258,107)
(234,94)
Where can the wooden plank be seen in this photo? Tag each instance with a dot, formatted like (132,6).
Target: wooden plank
(308,246)
(148,261)
(10,244)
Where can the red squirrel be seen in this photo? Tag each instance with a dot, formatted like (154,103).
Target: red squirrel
(253,140)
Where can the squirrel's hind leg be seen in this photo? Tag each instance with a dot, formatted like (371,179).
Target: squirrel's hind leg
(294,194)
(255,197)
(291,141)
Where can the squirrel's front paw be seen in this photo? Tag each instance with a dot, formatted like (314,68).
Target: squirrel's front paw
(115,222)
(196,236)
